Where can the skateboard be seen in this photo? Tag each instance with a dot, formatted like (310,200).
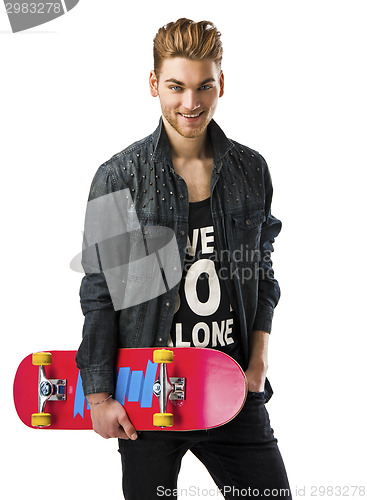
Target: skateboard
(179,389)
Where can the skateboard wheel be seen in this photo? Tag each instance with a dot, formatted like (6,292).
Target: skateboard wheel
(42,358)
(163,419)
(41,419)
(162,356)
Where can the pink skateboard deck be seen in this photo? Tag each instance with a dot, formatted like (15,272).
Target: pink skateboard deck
(206,389)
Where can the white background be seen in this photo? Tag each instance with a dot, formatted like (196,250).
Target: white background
(73,93)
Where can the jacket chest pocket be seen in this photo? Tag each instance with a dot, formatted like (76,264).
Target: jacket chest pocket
(246,231)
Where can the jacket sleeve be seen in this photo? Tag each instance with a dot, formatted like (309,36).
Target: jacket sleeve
(268,291)
(96,355)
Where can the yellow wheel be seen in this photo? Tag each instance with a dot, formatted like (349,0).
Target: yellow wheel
(42,358)
(41,419)
(163,419)
(162,356)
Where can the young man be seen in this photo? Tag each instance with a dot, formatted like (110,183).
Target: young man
(215,194)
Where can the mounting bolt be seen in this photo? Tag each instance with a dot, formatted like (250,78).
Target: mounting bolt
(157,388)
(46,389)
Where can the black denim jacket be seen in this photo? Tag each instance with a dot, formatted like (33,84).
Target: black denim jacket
(241,193)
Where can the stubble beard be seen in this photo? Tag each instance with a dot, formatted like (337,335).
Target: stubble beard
(173,119)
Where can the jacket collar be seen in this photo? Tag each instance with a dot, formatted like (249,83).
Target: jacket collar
(220,143)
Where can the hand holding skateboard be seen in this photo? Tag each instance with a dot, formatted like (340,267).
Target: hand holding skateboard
(109,419)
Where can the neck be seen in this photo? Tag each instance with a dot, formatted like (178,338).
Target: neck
(188,148)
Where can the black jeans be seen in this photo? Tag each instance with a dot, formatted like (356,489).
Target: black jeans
(242,457)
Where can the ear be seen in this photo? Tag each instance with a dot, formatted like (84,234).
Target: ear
(221,84)
(153,84)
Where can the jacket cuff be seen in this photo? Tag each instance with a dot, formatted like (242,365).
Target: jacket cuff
(263,319)
(97,380)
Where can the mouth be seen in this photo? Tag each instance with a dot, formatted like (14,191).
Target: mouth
(191,117)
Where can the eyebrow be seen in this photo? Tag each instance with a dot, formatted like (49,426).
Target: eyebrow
(173,80)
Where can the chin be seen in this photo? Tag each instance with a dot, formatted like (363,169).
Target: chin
(190,132)
(185,131)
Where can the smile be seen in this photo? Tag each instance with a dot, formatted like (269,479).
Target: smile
(191,117)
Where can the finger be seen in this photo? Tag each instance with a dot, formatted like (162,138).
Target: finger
(121,434)
(127,426)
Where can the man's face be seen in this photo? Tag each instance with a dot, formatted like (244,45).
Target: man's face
(188,92)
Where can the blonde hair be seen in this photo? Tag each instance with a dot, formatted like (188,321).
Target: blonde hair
(185,38)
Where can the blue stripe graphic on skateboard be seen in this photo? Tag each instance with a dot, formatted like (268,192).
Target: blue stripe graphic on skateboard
(130,385)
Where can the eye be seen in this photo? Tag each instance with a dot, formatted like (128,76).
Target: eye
(175,87)
(206,87)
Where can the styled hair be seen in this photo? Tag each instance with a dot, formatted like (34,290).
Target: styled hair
(185,38)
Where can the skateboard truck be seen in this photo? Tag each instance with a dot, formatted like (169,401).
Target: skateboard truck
(48,389)
(164,388)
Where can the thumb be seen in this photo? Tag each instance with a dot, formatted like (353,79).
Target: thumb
(125,423)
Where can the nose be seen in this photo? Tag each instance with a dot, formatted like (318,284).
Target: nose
(191,101)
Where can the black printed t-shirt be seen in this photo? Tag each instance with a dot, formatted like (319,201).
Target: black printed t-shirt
(203,314)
